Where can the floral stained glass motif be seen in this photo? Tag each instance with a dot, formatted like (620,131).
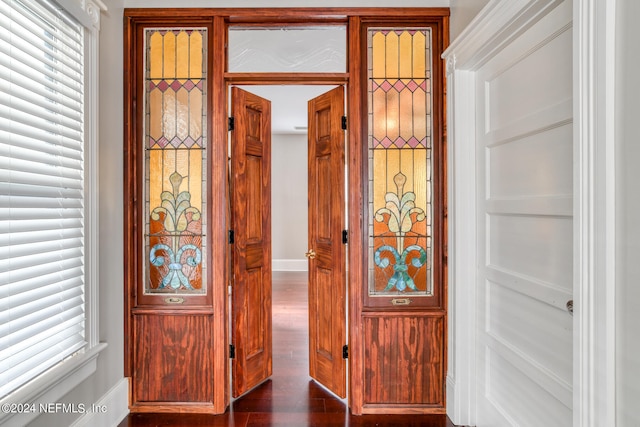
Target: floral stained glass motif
(400,185)
(175,156)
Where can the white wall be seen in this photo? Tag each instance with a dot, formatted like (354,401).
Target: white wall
(462,12)
(628,213)
(289,201)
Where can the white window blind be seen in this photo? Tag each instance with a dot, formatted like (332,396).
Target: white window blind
(41,189)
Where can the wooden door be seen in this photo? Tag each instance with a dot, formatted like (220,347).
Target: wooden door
(326,248)
(251,228)
(525,228)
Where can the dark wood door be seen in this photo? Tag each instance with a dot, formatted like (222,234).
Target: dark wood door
(251,225)
(326,250)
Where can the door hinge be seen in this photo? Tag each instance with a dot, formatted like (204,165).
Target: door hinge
(344,122)
(232,124)
(232,237)
(232,351)
(345,237)
(345,351)
(445,255)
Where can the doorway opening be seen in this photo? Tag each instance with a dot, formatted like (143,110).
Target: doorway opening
(288,194)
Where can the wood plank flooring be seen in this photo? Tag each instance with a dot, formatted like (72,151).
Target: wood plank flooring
(290,398)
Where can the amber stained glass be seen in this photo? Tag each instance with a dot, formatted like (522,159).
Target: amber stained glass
(175,155)
(400,183)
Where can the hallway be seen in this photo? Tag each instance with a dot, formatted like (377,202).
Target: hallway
(289,398)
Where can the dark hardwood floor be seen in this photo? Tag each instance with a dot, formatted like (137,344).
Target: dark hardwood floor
(290,398)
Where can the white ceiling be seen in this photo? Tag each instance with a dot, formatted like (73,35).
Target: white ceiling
(288,105)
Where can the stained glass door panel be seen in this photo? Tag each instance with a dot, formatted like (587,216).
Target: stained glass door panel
(175,156)
(400,164)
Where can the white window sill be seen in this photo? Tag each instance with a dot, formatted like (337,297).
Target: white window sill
(24,403)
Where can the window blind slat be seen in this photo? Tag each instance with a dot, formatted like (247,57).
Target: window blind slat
(45,339)
(61,21)
(70,43)
(24,183)
(32,68)
(42,291)
(28,160)
(21,194)
(18,214)
(64,90)
(39,156)
(41,236)
(33,100)
(21,247)
(61,50)
(42,203)
(48,320)
(6,127)
(44,224)
(33,83)
(40,109)
(42,358)
(28,309)
(15,190)
(18,120)
(42,172)
(25,148)
(41,50)
(35,283)
(57,310)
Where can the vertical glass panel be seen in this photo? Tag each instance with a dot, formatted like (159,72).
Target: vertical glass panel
(400,185)
(296,49)
(175,156)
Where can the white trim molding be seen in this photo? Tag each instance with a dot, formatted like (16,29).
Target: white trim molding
(499,22)
(462,265)
(87,12)
(594,212)
(115,403)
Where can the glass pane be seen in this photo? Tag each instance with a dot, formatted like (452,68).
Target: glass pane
(312,50)
(175,155)
(400,185)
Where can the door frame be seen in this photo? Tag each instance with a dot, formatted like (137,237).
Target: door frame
(273,79)
(354,78)
(593,204)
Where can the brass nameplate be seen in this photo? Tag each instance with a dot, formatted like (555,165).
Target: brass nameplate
(174,300)
(401,301)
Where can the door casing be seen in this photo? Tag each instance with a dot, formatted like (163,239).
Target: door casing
(354,78)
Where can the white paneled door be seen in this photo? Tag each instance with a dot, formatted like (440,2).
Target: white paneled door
(525,228)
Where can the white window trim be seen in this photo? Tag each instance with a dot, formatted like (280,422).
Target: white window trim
(62,378)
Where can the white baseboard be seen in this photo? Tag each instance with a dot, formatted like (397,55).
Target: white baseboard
(290,265)
(116,406)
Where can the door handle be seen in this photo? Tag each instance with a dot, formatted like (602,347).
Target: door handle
(570,307)
(311,254)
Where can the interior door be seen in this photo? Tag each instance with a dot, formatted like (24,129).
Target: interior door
(326,249)
(251,225)
(525,228)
